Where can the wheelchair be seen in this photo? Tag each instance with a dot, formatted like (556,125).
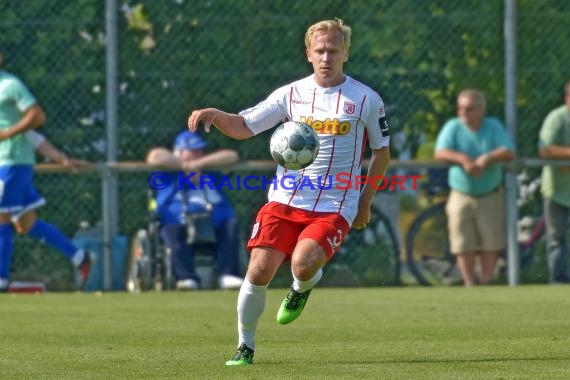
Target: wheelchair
(150,266)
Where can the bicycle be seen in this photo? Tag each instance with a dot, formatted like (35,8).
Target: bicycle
(427,247)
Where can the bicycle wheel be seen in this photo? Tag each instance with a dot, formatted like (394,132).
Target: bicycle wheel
(427,248)
(370,256)
(384,229)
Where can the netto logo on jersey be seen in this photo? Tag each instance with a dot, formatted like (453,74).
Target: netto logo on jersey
(328,126)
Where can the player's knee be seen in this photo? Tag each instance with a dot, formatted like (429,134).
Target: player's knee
(303,271)
(258,278)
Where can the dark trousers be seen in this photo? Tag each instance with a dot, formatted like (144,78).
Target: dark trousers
(556,218)
(175,237)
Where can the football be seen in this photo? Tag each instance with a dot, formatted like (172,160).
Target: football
(294,145)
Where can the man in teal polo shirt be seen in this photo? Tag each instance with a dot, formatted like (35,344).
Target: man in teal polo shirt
(20,112)
(554,144)
(474,144)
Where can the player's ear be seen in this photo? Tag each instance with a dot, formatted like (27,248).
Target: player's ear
(308,55)
(345,56)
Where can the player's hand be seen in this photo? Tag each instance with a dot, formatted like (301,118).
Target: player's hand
(206,116)
(74,165)
(362,217)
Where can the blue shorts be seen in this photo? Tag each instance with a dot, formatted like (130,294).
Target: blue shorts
(17,192)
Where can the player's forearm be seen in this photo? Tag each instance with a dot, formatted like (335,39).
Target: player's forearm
(50,152)
(555,152)
(377,167)
(232,125)
(33,118)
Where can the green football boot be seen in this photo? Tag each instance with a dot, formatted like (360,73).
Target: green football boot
(292,306)
(243,356)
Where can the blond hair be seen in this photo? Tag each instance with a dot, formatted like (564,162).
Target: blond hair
(329,25)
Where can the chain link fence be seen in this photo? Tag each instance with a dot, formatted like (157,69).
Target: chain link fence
(179,55)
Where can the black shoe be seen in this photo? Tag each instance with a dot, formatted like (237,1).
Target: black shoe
(292,306)
(243,356)
(83,270)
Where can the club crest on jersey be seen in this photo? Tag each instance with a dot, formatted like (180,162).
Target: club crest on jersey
(349,108)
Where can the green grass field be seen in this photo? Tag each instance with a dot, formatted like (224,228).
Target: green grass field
(373,333)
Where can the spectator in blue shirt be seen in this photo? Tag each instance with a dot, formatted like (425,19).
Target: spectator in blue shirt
(173,202)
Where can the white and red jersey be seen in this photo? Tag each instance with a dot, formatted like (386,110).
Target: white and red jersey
(345,117)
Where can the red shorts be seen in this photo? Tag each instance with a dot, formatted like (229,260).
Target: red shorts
(280,227)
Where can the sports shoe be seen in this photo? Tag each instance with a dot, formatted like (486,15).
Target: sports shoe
(83,269)
(292,306)
(228,281)
(243,356)
(187,284)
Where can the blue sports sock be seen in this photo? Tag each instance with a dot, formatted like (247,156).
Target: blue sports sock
(53,237)
(6,249)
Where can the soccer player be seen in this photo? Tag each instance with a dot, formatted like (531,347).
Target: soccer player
(303,225)
(20,112)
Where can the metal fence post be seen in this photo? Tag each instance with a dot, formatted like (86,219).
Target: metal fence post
(511,123)
(109,178)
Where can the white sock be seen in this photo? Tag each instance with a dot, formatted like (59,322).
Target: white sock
(78,257)
(250,306)
(302,286)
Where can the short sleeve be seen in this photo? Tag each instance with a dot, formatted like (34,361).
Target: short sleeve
(268,113)
(445,137)
(22,97)
(551,131)
(377,128)
(35,138)
(503,139)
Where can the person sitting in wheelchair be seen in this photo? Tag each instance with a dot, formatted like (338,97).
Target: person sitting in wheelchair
(185,212)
